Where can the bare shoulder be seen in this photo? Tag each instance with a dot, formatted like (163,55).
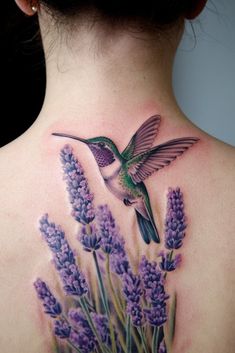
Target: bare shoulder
(221,175)
(222,169)
(226,155)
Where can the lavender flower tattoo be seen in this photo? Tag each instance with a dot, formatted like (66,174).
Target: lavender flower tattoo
(51,305)
(175,220)
(62,329)
(63,258)
(133,292)
(77,186)
(129,309)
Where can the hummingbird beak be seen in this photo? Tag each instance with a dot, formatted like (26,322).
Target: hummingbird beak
(69,136)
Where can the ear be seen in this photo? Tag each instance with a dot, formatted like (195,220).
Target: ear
(195,10)
(26,6)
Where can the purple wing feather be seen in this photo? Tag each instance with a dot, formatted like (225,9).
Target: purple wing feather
(143,139)
(144,164)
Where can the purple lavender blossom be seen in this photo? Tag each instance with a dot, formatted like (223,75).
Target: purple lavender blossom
(150,274)
(82,335)
(74,281)
(153,282)
(168,263)
(157,295)
(133,292)
(62,328)
(81,341)
(132,287)
(63,257)
(56,241)
(79,321)
(82,326)
(162,347)
(156,315)
(102,325)
(175,223)
(136,313)
(80,196)
(90,240)
(119,264)
(111,241)
(51,305)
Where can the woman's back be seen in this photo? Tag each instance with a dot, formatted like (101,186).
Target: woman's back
(32,185)
(136,212)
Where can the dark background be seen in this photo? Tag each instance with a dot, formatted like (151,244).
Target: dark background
(22,72)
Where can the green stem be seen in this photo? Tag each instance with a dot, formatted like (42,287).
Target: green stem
(122,342)
(101,285)
(105,302)
(142,336)
(155,339)
(89,304)
(139,348)
(116,302)
(128,334)
(112,335)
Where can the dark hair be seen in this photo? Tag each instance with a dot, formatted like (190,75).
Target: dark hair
(154,13)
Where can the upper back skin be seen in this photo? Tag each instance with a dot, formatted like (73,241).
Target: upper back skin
(32,184)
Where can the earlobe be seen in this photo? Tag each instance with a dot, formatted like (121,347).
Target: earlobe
(27,6)
(195,9)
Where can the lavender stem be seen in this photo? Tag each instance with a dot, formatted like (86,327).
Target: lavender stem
(141,333)
(101,285)
(155,339)
(116,302)
(122,343)
(105,301)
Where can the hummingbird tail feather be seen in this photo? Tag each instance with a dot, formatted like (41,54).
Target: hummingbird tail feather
(154,233)
(147,230)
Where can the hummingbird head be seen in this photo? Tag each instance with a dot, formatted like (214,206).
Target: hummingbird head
(103,149)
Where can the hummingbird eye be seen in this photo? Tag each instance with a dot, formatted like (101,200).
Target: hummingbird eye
(101,144)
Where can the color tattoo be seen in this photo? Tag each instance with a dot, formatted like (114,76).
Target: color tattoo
(124,310)
(124,173)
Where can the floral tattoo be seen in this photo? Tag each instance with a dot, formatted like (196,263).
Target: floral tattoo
(127,310)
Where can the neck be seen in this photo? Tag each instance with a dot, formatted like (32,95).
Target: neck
(98,80)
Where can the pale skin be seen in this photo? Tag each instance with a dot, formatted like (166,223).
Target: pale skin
(108,82)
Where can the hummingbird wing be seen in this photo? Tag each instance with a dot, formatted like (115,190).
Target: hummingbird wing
(143,139)
(144,164)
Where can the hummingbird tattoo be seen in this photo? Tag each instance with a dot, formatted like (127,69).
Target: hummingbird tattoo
(124,173)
